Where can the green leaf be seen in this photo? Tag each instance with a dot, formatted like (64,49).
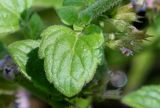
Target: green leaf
(93,11)
(43,3)
(36,26)
(80,102)
(25,54)
(74,2)
(48,3)
(146,97)
(19,51)
(10,12)
(68,14)
(33,27)
(70,58)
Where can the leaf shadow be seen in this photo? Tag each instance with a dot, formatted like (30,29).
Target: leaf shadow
(35,69)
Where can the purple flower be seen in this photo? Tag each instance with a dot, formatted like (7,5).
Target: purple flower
(126,51)
(142,5)
(150,3)
(9,68)
(8,73)
(1,64)
(139,5)
(22,99)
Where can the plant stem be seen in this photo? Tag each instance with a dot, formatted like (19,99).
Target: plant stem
(96,9)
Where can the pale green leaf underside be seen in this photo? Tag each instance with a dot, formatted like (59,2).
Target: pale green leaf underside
(10,11)
(147,97)
(19,51)
(70,59)
(25,55)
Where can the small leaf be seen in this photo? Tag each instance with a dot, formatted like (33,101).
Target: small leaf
(33,27)
(146,97)
(10,11)
(70,58)
(36,26)
(68,14)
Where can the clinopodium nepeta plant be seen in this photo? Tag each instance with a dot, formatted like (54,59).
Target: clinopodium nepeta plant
(65,64)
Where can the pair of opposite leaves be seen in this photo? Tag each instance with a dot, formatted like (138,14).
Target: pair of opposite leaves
(70,58)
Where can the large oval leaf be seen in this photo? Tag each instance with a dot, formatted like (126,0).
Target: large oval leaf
(10,11)
(147,97)
(70,58)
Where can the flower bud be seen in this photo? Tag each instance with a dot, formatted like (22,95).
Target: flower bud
(126,13)
(118,79)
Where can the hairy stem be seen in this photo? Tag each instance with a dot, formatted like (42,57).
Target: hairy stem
(96,9)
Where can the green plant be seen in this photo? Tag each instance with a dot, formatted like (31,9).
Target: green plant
(63,63)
